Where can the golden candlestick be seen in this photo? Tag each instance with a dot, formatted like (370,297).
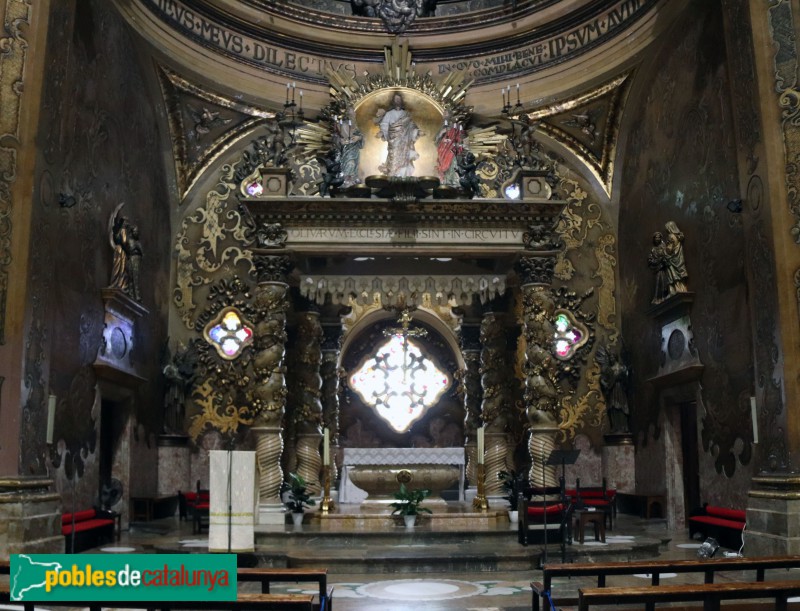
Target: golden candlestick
(326,504)
(479,502)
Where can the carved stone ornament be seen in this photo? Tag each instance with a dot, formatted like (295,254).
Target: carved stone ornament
(272,268)
(541,237)
(397,15)
(271,235)
(536,270)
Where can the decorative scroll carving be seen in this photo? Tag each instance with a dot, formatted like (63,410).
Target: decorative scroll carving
(12,68)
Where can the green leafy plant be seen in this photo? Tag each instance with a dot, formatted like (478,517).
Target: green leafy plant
(513,483)
(409,500)
(299,498)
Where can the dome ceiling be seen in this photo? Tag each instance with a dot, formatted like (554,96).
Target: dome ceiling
(251,48)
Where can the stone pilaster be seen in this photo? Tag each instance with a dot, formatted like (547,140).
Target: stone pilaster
(763,61)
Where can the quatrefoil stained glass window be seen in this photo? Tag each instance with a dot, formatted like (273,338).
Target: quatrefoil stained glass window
(229,333)
(570,335)
(399,382)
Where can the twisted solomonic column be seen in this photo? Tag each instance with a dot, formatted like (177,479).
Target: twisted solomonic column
(540,368)
(329,370)
(472,393)
(269,396)
(496,399)
(308,411)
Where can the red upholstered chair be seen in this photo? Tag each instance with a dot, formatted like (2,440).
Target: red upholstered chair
(540,509)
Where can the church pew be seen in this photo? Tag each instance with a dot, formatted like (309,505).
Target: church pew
(243,602)
(709,594)
(266,576)
(655,568)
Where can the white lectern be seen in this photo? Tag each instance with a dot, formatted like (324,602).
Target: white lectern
(231,512)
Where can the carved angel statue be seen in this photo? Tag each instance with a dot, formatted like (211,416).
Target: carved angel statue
(586,123)
(180,372)
(468,179)
(332,179)
(204,121)
(614,382)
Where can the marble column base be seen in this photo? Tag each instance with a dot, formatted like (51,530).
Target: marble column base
(30,517)
(619,463)
(773,517)
(271,514)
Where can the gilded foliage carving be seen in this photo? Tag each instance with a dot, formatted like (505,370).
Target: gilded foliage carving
(225,392)
(220,233)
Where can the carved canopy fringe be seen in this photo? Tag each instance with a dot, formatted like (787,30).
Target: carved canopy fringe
(444,290)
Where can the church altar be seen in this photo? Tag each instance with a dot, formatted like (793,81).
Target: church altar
(396,457)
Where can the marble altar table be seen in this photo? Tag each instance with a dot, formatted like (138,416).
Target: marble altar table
(396,458)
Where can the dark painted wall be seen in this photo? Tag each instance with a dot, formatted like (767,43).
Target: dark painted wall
(98,146)
(679,164)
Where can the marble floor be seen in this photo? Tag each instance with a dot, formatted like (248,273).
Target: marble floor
(411,590)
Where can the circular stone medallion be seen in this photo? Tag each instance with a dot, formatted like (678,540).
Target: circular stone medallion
(421,589)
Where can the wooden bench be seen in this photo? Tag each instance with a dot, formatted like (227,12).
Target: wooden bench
(269,576)
(654,568)
(89,528)
(725,525)
(710,594)
(243,602)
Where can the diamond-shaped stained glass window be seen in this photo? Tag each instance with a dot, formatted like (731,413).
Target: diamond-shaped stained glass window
(399,382)
(229,333)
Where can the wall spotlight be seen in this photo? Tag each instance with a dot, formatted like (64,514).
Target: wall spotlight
(735,206)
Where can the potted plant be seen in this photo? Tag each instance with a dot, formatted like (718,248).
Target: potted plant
(408,504)
(299,498)
(512,487)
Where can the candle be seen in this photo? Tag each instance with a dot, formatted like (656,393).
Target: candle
(326,447)
(51,417)
(294,87)
(288,85)
(517,94)
(301,99)
(754,417)
(480,445)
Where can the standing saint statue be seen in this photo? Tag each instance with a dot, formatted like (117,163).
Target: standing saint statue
(657,261)
(123,236)
(398,129)
(676,266)
(614,380)
(349,141)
